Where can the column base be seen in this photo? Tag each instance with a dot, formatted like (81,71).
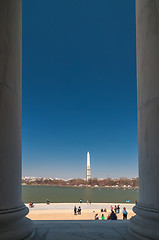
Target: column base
(145,225)
(14,224)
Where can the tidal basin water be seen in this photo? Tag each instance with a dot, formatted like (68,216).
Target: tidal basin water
(39,194)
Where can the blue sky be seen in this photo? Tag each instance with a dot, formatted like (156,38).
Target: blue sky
(79,88)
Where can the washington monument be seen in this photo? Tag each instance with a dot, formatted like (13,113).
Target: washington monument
(88,167)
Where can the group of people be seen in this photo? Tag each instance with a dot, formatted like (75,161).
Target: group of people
(97,217)
(31,204)
(116,209)
(113,214)
(77,210)
(103,210)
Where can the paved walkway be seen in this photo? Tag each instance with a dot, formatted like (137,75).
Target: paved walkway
(82,230)
(65,211)
(70,206)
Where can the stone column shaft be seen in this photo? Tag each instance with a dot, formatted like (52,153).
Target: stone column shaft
(146,223)
(13,224)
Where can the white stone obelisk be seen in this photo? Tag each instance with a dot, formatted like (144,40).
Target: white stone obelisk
(88,167)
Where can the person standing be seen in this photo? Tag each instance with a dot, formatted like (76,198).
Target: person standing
(112,216)
(111,208)
(115,208)
(125,213)
(103,218)
(79,210)
(118,208)
(75,210)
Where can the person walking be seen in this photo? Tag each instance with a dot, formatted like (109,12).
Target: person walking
(96,217)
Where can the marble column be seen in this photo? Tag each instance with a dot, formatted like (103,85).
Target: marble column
(145,225)
(13,223)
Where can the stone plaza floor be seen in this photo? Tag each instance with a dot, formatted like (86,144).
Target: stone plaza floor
(82,230)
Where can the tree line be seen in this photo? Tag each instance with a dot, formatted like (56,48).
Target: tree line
(108,182)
